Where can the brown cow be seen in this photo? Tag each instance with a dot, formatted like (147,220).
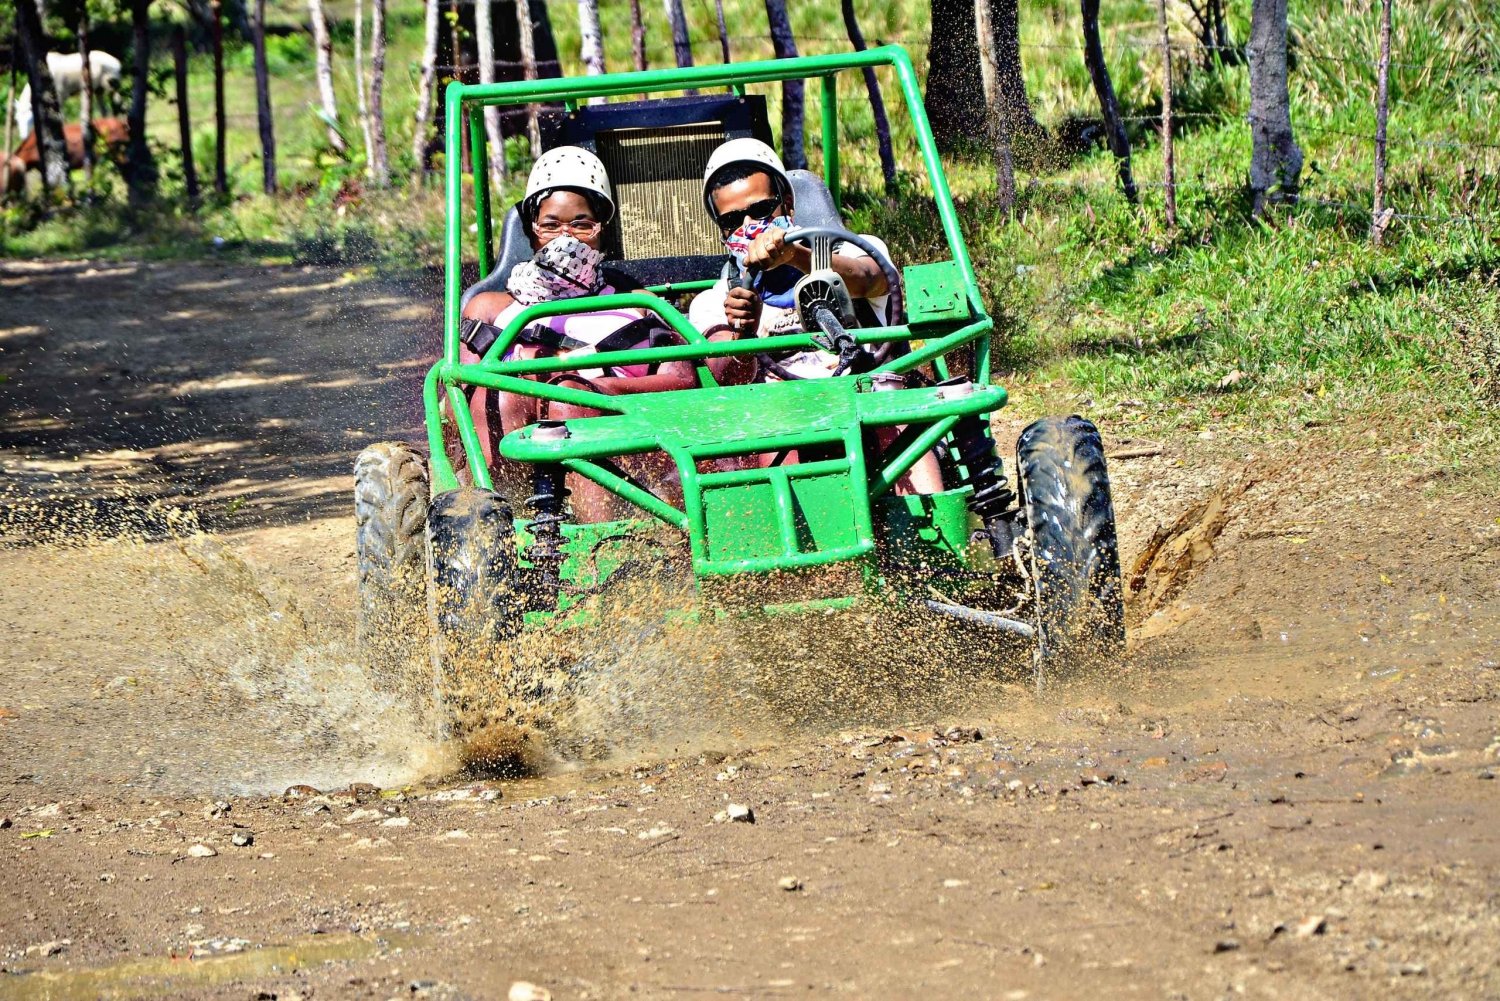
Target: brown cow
(114,131)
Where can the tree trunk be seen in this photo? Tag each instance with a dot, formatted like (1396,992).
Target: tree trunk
(46,109)
(484,37)
(421,132)
(140,164)
(723,29)
(637,35)
(362,88)
(997,124)
(877,101)
(1380,217)
(955,87)
(1005,24)
(1169,156)
(85,94)
(10,127)
(527,33)
(1275,157)
(216,33)
(263,100)
(592,42)
(323,50)
(184,122)
(380,163)
(682,45)
(792,100)
(1109,105)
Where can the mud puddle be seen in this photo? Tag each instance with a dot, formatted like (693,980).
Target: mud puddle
(175,975)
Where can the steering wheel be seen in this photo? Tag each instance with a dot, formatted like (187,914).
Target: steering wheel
(820,240)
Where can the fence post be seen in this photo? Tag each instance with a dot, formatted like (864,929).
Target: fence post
(1168,153)
(1380,216)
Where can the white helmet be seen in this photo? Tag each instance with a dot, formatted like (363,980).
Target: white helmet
(571,167)
(746,151)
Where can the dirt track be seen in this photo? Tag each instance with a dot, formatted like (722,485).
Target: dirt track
(1286,792)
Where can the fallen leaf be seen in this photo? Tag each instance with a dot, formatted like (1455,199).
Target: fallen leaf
(45,833)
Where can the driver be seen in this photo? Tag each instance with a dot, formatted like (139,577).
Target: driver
(747,191)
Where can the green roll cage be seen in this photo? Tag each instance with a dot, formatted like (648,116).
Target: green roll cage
(943,304)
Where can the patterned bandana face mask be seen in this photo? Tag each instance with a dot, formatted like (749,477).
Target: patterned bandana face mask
(775,286)
(566,268)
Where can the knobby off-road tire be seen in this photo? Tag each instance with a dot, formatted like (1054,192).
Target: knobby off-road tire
(1073,554)
(473,603)
(390,522)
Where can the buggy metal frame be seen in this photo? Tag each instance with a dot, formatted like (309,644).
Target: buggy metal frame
(785,517)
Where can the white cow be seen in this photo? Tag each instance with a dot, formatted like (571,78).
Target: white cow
(67,76)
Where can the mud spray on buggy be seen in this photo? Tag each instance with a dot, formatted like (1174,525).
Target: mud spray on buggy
(454,579)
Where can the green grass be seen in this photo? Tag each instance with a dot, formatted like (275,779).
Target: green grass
(1250,329)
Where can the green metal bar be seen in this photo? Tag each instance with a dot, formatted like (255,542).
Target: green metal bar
(774,443)
(854,448)
(688,352)
(443,478)
(762,564)
(620,300)
(619,485)
(729,477)
(469,435)
(476,376)
(693,286)
(941,195)
(786,513)
(937,348)
(735,75)
(893,471)
(453,226)
(831,139)
(479,160)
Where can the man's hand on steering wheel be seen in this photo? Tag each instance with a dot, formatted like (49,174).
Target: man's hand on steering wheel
(770,250)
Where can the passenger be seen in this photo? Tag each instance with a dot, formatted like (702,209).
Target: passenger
(568,205)
(747,191)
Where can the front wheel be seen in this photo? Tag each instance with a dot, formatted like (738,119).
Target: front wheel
(472,598)
(1071,550)
(390,516)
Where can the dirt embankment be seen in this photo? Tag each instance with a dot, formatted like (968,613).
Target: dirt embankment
(1287,790)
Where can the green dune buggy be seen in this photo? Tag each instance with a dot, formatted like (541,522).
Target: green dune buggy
(450,567)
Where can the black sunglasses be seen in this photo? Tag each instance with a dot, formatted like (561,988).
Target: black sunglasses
(760,212)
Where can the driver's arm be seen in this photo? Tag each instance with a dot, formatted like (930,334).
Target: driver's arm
(861,274)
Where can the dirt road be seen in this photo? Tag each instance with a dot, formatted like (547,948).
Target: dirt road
(1287,791)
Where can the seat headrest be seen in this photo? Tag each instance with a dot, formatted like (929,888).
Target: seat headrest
(515,247)
(812,201)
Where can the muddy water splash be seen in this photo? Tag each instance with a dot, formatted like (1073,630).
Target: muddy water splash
(171,665)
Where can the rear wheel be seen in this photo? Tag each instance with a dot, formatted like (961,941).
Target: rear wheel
(473,603)
(390,517)
(1070,546)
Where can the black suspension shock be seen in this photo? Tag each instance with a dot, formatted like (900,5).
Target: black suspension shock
(545,552)
(993,500)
